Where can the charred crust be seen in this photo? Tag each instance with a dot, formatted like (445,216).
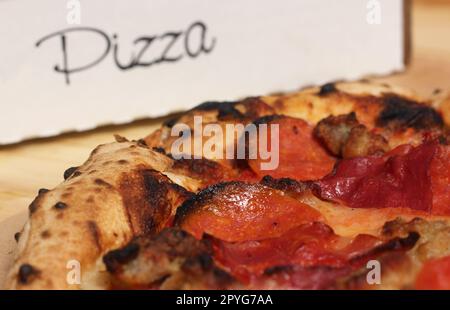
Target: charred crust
(32,208)
(114,259)
(267,119)
(327,89)
(203,168)
(120,139)
(60,206)
(171,122)
(142,143)
(149,199)
(27,273)
(203,260)
(214,105)
(159,150)
(95,233)
(69,172)
(103,183)
(17,236)
(399,112)
(43,191)
(45,234)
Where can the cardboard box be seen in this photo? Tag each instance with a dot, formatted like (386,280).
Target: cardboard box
(75,65)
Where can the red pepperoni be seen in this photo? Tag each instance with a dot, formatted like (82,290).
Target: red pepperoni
(239,211)
(435,275)
(308,245)
(440,181)
(402,178)
(301,157)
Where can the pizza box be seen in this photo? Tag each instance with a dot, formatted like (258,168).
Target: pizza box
(75,65)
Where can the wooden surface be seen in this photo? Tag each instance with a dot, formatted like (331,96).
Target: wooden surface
(26,167)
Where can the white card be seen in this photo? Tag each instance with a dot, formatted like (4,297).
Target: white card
(73,65)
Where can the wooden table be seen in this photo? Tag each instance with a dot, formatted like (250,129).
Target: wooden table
(26,167)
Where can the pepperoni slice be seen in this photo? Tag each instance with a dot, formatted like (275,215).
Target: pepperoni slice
(440,181)
(301,157)
(238,211)
(435,275)
(399,179)
(308,245)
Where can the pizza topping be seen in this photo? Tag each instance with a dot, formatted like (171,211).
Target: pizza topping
(288,186)
(239,211)
(308,245)
(440,180)
(435,275)
(400,179)
(301,157)
(344,136)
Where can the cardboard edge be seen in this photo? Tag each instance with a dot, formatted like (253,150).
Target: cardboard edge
(407,31)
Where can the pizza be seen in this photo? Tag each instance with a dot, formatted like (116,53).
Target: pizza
(360,186)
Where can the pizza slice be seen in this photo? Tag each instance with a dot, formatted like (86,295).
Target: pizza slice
(362,178)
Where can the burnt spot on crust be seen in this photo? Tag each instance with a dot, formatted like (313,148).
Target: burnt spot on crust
(214,105)
(142,143)
(95,233)
(115,258)
(60,205)
(43,191)
(27,273)
(45,234)
(267,119)
(399,112)
(32,208)
(247,109)
(203,169)
(122,162)
(17,236)
(171,122)
(327,89)
(103,183)
(160,150)
(225,110)
(69,172)
(120,139)
(150,198)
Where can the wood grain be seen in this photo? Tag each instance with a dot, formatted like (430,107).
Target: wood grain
(26,167)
